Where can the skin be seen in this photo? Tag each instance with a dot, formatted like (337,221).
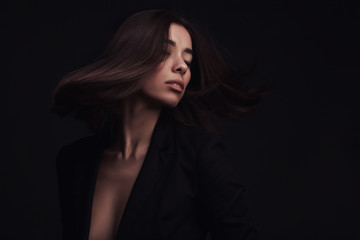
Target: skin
(122,162)
(140,112)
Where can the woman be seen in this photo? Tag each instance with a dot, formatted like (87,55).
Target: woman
(155,167)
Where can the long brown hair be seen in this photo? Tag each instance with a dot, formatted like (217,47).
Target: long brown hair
(93,91)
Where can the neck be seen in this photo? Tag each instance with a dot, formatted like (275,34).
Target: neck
(137,124)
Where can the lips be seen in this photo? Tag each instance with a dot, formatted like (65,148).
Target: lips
(176,83)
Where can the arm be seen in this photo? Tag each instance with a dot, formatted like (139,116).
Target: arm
(223,195)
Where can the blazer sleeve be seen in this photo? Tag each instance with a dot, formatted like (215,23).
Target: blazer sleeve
(223,194)
(63,169)
(61,181)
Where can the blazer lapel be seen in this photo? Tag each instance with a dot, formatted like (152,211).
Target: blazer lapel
(155,162)
(96,151)
(159,153)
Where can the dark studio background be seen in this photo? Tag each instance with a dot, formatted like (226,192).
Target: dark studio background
(297,154)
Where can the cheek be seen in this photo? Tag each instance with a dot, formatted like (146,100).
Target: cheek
(152,82)
(188,79)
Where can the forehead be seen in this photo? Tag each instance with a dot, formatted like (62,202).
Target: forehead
(180,35)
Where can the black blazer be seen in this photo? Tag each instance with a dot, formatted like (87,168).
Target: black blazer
(184,189)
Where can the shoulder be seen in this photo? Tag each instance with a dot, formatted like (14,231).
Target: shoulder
(85,146)
(199,139)
(81,143)
(78,151)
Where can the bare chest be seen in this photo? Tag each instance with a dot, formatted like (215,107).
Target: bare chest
(112,190)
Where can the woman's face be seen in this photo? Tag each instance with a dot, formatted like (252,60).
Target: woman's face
(166,86)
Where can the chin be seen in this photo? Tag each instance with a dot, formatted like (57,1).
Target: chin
(171,105)
(170,102)
(164,100)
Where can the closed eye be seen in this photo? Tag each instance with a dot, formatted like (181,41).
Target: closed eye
(167,53)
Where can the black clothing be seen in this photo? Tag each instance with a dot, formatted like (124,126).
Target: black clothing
(184,189)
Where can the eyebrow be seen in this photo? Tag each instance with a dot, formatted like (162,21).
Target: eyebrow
(172,43)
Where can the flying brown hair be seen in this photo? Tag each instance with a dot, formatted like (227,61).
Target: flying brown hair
(215,90)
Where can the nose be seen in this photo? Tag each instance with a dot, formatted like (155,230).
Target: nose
(180,66)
